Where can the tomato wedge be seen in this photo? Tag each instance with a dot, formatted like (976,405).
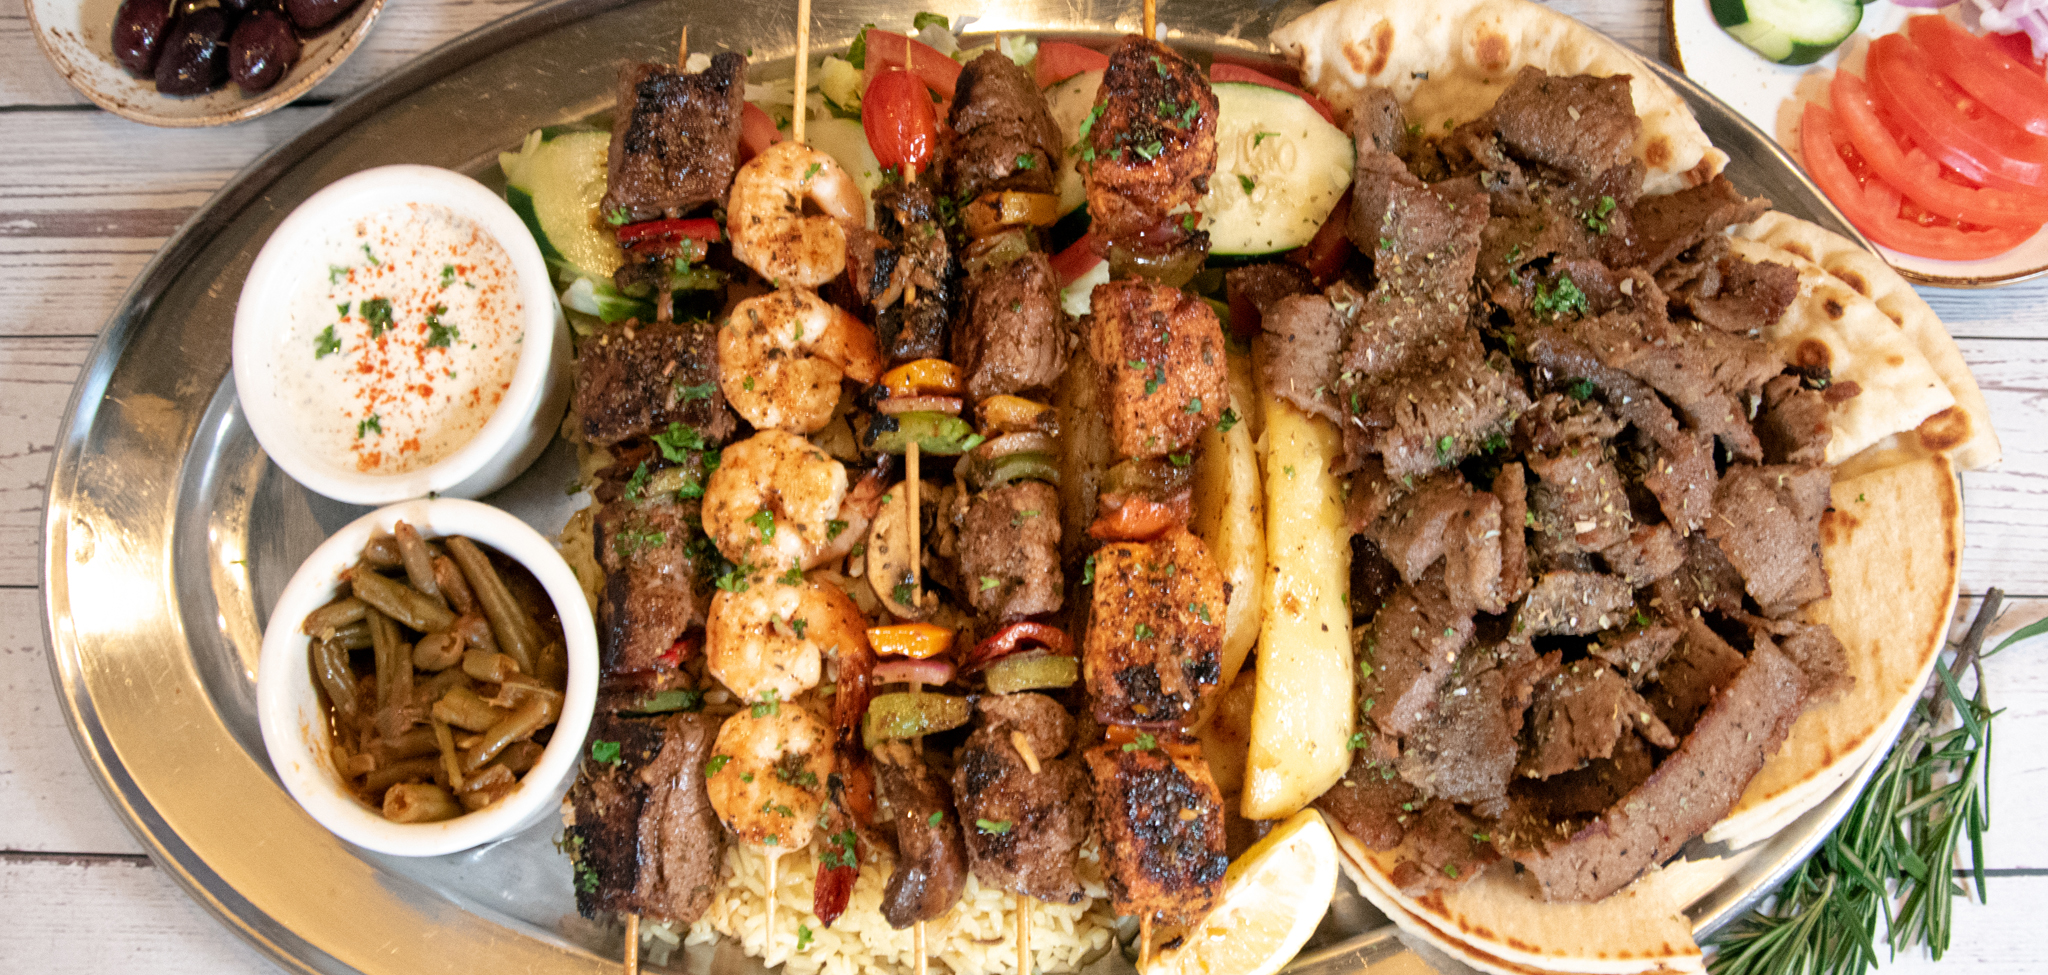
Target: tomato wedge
(1079,258)
(1938,116)
(1060,60)
(2018,47)
(668,236)
(1874,207)
(1855,115)
(1220,73)
(2000,83)
(897,114)
(1325,253)
(885,50)
(757,131)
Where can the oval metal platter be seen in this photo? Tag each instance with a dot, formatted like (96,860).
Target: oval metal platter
(169,534)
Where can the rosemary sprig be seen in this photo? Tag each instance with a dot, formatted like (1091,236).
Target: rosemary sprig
(1898,844)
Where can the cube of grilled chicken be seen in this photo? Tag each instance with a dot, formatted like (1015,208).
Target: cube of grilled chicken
(1153,653)
(1164,377)
(1161,818)
(1152,145)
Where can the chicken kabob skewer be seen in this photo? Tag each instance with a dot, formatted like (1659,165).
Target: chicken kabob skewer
(1158,596)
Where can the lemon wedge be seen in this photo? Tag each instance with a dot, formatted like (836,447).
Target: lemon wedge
(1273,897)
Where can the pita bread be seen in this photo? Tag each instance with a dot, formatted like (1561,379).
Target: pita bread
(1892,544)
(1830,325)
(1449,61)
(1962,432)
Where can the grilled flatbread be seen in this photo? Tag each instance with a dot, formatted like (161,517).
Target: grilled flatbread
(1449,62)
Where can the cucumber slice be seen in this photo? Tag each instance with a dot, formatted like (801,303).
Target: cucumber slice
(556,183)
(847,143)
(1789,31)
(1071,101)
(1279,171)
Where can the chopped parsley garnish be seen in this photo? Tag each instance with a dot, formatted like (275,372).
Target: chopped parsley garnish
(335,273)
(1258,137)
(637,483)
(1088,571)
(1142,632)
(1145,743)
(1245,183)
(764,523)
(677,441)
(1355,742)
(374,424)
(326,344)
(1023,516)
(996,826)
(833,528)
(1597,221)
(1150,150)
(1444,447)
(716,762)
(377,311)
(586,878)
(1580,389)
(1201,610)
(1564,298)
(1026,161)
(990,582)
(794,577)
(799,624)
(439,335)
(935,818)
(1229,420)
(803,936)
(342,309)
(605,751)
(1194,405)
(904,593)
(374,262)
(616,216)
(633,541)
(447,276)
(813,171)
(1180,460)
(699,391)
(769,704)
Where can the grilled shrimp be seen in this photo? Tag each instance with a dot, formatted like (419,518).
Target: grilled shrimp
(773,637)
(769,770)
(781,356)
(775,502)
(765,215)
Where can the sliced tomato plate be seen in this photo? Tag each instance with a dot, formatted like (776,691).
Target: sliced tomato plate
(1774,98)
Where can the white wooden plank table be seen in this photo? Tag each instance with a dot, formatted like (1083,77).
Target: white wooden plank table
(88,197)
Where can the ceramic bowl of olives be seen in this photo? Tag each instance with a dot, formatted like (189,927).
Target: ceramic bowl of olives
(187,63)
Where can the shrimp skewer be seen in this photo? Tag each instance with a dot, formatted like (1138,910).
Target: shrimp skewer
(771,785)
(782,355)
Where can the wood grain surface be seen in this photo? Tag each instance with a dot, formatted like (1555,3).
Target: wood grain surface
(86,200)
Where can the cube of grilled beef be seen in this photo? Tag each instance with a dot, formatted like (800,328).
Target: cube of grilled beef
(1727,291)
(1447,847)
(1153,653)
(1464,751)
(1414,644)
(1435,413)
(1152,148)
(1303,337)
(1637,651)
(1793,423)
(676,143)
(633,380)
(1574,603)
(1372,802)
(1004,135)
(645,837)
(1690,791)
(1814,647)
(931,858)
(1648,554)
(1667,226)
(1161,820)
(1698,670)
(1045,801)
(650,586)
(1579,714)
(1705,582)
(1594,788)
(1013,335)
(1767,521)
(905,272)
(1010,551)
(1577,125)
(1164,376)
(1511,487)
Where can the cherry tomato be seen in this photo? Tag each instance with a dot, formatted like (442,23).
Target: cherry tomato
(1220,73)
(1874,207)
(1938,116)
(2013,90)
(885,50)
(1856,118)
(757,132)
(897,115)
(1059,60)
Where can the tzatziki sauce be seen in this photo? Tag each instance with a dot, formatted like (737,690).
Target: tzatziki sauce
(402,339)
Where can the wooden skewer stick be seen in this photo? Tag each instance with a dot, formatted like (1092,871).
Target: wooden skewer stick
(912,521)
(803,69)
(1151,19)
(683,49)
(1024,903)
(1145,922)
(768,950)
(633,936)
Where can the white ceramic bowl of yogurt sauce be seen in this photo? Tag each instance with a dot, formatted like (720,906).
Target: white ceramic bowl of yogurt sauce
(398,336)
(294,716)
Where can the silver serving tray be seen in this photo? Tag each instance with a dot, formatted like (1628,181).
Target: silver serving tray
(169,534)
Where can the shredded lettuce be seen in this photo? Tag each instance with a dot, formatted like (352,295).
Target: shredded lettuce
(1019,48)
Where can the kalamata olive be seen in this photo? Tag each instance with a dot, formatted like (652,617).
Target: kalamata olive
(261,51)
(315,14)
(195,55)
(243,8)
(139,28)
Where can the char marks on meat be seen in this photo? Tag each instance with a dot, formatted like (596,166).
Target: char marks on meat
(905,271)
(1013,335)
(931,859)
(1164,376)
(633,380)
(1047,811)
(650,588)
(1005,138)
(1161,819)
(1153,651)
(1152,147)
(646,839)
(676,146)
